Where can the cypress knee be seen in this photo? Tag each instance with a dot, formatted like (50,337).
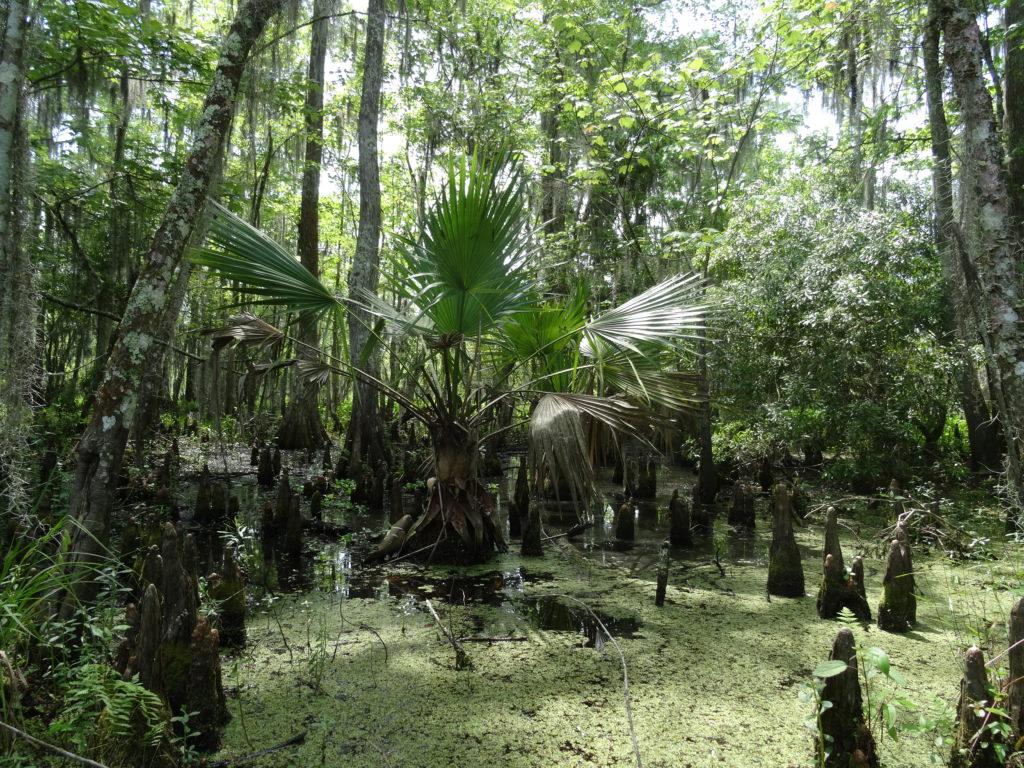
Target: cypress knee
(976,743)
(785,571)
(679,521)
(625,528)
(897,611)
(202,513)
(206,703)
(848,741)
(265,469)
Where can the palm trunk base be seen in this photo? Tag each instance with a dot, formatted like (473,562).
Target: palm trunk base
(459,525)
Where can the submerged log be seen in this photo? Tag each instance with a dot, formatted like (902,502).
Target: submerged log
(849,743)
(977,742)
(897,610)
(785,571)
(206,704)
(679,521)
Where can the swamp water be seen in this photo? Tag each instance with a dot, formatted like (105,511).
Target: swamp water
(356,662)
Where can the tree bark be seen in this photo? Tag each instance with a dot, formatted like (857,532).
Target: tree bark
(982,429)
(1013,114)
(101,448)
(17,284)
(998,267)
(302,426)
(365,438)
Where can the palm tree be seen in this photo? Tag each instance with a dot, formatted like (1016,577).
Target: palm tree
(465,294)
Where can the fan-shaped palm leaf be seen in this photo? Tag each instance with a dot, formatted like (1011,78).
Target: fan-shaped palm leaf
(242,253)
(466,270)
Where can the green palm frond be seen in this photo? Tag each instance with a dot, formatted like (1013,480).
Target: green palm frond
(664,316)
(238,251)
(466,270)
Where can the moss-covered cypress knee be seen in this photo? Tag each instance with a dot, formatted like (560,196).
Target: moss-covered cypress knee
(785,571)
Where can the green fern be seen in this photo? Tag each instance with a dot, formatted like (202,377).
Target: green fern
(100,707)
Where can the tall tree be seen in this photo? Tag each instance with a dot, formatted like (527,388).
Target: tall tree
(365,438)
(982,430)
(101,448)
(997,260)
(302,426)
(17,303)
(1013,114)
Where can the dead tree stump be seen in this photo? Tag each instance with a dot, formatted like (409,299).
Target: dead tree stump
(679,521)
(293,526)
(785,571)
(625,528)
(647,479)
(201,513)
(849,743)
(765,476)
(265,469)
(178,592)
(897,610)
(227,588)
(519,506)
(659,594)
(976,739)
(630,483)
(205,703)
(741,513)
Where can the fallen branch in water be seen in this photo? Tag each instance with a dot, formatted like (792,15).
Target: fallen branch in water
(461,659)
(493,639)
(51,748)
(293,741)
(574,531)
(625,673)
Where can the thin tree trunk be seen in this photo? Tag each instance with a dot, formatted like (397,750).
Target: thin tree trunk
(1013,113)
(101,448)
(366,435)
(17,290)
(982,429)
(997,265)
(302,426)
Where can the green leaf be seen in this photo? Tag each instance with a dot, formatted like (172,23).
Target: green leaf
(878,659)
(830,668)
(626,122)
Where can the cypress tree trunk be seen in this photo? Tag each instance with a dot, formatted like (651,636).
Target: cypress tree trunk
(1014,112)
(302,426)
(998,265)
(101,449)
(365,439)
(982,429)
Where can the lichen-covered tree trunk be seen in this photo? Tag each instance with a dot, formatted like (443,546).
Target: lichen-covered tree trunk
(365,438)
(960,331)
(302,426)
(1014,112)
(101,448)
(997,259)
(17,276)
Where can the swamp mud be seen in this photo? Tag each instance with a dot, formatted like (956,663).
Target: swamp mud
(349,655)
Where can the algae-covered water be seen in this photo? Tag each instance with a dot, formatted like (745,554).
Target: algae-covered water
(360,666)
